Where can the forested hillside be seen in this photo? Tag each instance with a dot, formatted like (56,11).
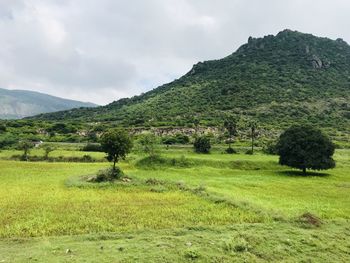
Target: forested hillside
(277,80)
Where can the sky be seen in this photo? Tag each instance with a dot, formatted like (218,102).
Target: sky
(103,50)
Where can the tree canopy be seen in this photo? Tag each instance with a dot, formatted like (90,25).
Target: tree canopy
(117,144)
(305,147)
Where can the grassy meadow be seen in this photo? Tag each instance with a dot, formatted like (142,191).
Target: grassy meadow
(183,207)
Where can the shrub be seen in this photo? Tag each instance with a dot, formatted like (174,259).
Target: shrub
(87,158)
(106,175)
(270,148)
(308,220)
(192,254)
(249,152)
(182,138)
(230,150)
(148,144)
(92,147)
(202,144)
(178,138)
(7,141)
(2,128)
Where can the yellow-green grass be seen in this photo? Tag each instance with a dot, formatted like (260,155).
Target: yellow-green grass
(248,212)
(7,154)
(276,189)
(35,201)
(278,242)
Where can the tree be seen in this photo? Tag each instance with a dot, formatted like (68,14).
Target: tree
(148,144)
(253,125)
(305,147)
(26,146)
(2,128)
(230,124)
(47,149)
(116,143)
(202,144)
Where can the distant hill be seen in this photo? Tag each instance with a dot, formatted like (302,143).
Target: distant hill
(278,80)
(15,104)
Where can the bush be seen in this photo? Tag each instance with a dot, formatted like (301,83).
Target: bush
(230,150)
(106,175)
(270,148)
(249,152)
(182,138)
(92,147)
(202,144)
(178,138)
(2,128)
(148,144)
(7,141)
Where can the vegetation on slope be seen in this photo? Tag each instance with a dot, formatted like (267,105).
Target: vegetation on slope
(278,80)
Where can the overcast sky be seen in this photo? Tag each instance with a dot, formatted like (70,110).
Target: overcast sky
(103,50)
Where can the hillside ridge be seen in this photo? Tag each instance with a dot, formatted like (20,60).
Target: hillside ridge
(15,104)
(278,80)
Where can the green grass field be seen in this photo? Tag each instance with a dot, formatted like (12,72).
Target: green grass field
(203,208)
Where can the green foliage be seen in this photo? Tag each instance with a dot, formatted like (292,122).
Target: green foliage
(2,128)
(92,147)
(148,144)
(47,149)
(62,128)
(178,138)
(25,146)
(7,141)
(273,79)
(230,150)
(305,147)
(269,147)
(214,209)
(202,144)
(106,175)
(116,143)
(230,125)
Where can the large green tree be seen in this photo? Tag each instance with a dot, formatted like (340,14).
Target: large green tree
(116,143)
(305,147)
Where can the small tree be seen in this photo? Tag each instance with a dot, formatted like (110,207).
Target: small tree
(230,124)
(202,144)
(25,146)
(47,149)
(253,126)
(305,147)
(116,143)
(148,144)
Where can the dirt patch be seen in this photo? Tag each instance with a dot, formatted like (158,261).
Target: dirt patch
(308,219)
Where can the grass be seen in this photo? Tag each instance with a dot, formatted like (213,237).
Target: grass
(205,208)
(278,242)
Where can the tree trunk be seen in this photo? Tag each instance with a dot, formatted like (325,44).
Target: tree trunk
(304,171)
(252,144)
(114,161)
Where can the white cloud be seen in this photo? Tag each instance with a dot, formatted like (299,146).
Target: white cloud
(103,50)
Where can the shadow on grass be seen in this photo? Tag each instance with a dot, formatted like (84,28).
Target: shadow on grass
(301,174)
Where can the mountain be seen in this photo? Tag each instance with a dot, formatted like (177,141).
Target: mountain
(16,104)
(278,80)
